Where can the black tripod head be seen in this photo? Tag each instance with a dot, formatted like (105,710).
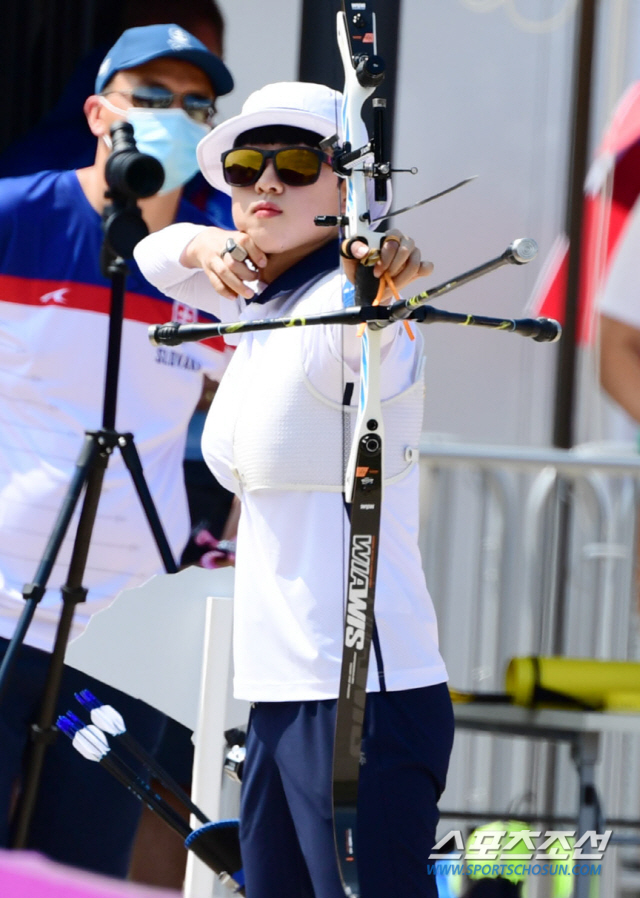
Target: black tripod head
(130,175)
(128,171)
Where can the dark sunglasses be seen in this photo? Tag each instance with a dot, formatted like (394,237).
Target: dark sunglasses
(295,166)
(199,108)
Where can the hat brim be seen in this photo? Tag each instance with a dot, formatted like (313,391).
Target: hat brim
(213,67)
(223,136)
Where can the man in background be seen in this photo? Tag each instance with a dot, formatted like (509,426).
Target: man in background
(63,140)
(54,303)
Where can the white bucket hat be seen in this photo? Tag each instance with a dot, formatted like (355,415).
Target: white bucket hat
(314,107)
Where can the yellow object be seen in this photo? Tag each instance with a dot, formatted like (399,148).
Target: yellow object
(582,682)
(488,698)
(487,856)
(623,701)
(460,698)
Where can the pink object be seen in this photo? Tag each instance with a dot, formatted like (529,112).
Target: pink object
(25,874)
(223,551)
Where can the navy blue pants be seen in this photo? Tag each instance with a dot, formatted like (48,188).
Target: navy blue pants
(83,816)
(286,823)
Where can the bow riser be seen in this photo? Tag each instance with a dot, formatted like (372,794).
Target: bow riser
(369,421)
(364,475)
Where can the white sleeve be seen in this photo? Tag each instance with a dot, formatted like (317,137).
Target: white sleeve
(158,257)
(621,294)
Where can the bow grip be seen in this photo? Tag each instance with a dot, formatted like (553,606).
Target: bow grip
(366,285)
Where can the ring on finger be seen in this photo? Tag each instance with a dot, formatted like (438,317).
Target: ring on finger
(237,253)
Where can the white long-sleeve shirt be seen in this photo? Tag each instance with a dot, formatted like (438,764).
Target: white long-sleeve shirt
(293,537)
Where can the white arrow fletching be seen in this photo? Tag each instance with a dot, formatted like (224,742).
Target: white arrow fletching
(91,743)
(108,719)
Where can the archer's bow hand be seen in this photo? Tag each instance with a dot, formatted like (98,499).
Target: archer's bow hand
(398,262)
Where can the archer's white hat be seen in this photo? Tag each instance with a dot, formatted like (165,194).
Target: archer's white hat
(314,107)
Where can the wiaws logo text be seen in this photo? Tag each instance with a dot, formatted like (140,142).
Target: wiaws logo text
(359,576)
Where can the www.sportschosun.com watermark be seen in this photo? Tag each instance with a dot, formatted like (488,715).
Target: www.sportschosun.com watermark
(511,850)
(508,871)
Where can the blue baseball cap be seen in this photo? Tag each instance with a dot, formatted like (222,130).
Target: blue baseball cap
(139,45)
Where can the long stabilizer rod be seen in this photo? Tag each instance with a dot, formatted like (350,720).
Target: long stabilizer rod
(519,252)
(543,330)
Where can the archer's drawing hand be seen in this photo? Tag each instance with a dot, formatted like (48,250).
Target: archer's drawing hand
(399,258)
(225,267)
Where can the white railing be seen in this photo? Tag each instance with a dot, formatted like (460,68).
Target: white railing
(493,521)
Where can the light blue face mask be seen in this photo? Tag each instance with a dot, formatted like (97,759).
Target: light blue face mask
(171,137)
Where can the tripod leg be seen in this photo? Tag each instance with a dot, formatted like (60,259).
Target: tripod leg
(34,591)
(133,463)
(43,732)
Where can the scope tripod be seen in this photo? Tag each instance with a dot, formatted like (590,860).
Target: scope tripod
(123,228)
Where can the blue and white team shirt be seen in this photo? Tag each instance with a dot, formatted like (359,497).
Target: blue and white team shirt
(262,440)
(54,305)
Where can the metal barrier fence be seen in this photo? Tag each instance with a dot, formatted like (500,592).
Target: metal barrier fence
(533,552)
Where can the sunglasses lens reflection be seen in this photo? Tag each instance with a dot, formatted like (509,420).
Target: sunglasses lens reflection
(199,108)
(296,166)
(243,167)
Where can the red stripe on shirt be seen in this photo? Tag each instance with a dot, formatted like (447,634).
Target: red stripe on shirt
(88,298)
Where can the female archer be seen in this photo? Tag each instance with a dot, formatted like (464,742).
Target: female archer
(277,435)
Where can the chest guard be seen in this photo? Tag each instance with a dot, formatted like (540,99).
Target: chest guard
(279,423)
